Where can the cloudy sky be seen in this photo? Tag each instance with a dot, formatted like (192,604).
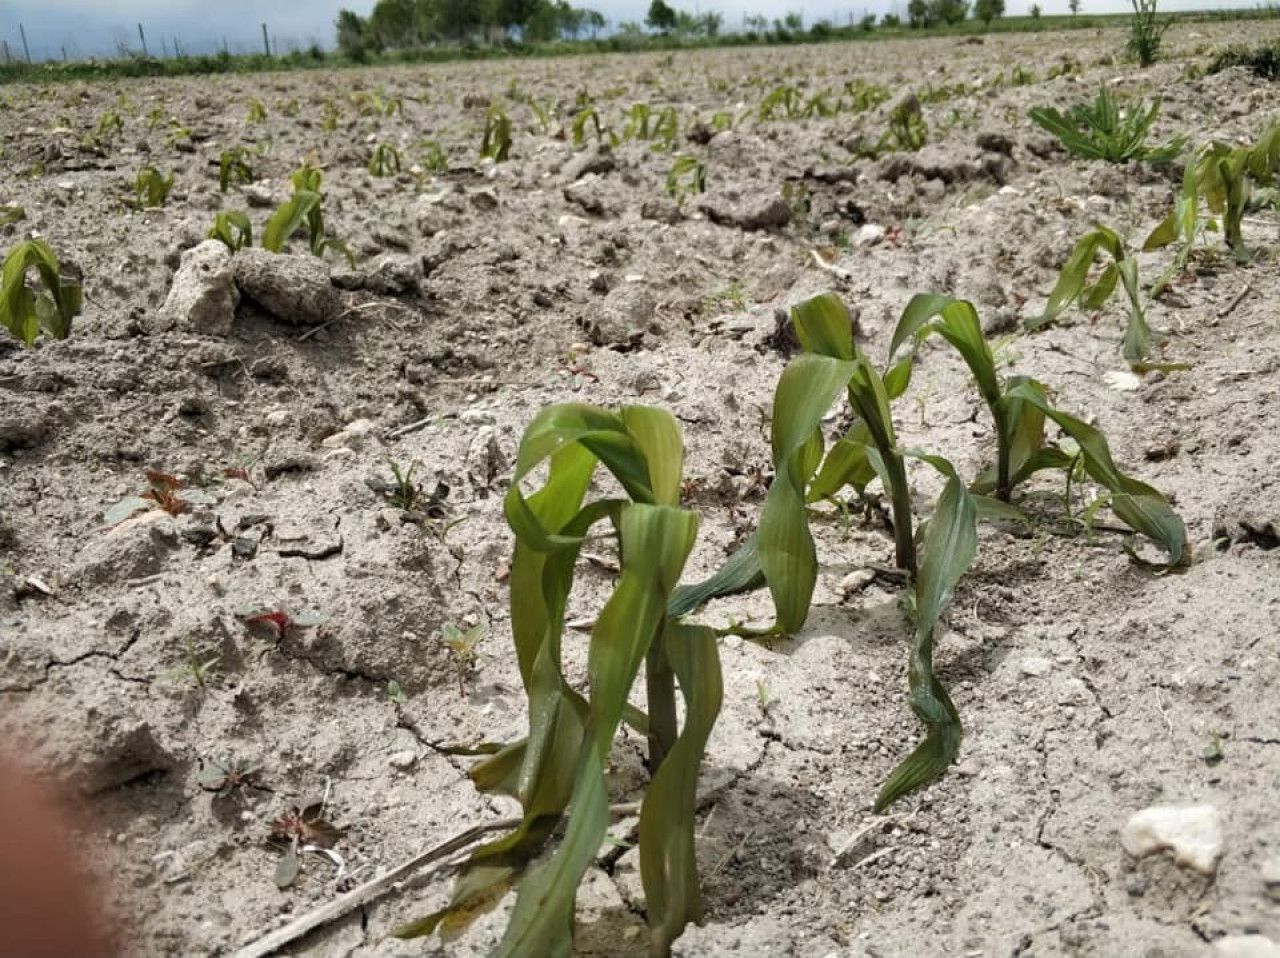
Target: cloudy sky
(86,27)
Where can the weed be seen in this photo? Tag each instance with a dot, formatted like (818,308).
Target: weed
(226,779)
(1263,62)
(25,313)
(1103,131)
(164,492)
(1145,32)
(151,188)
(110,126)
(233,169)
(385,160)
(280,621)
(462,645)
(395,694)
(197,666)
(301,828)
(232,228)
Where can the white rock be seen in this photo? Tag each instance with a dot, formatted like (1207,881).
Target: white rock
(1035,665)
(869,234)
(1122,380)
(403,760)
(1192,832)
(203,297)
(1271,877)
(856,581)
(352,436)
(1245,946)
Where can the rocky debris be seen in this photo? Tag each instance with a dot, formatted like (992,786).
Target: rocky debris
(620,320)
(260,196)
(1255,521)
(761,213)
(1245,946)
(137,547)
(390,275)
(1270,875)
(592,194)
(869,234)
(403,761)
(948,164)
(1192,832)
(483,201)
(293,289)
(203,296)
(1035,666)
(994,141)
(22,426)
(352,436)
(598,160)
(856,581)
(662,209)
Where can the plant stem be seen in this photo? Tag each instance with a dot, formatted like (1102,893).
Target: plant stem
(660,685)
(905,546)
(1003,440)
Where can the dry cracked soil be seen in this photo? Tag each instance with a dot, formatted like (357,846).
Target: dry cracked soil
(1089,687)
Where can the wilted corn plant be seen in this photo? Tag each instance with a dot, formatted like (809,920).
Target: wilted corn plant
(1103,131)
(781,554)
(385,160)
(558,771)
(1223,177)
(233,169)
(496,143)
(688,175)
(232,228)
(25,313)
(1073,286)
(304,207)
(151,188)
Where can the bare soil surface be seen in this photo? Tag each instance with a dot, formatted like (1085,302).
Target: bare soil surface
(1090,689)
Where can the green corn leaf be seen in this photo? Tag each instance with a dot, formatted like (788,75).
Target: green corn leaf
(23,313)
(824,327)
(1136,503)
(668,863)
(950,544)
(287,220)
(956,321)
(847,464)
(740,573)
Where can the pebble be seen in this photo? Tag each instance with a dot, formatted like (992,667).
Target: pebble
(403,760)
(856,581)
(1192,832)
(1035,666)
(1245,946)
(1271,877)
(352,436)
(869,234)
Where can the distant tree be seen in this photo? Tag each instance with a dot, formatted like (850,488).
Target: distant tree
(891,21)
(661,17)
(392,23)
(919,14)
(868,22)
(1073,6)
(793,22)
(949,12)
(988,10)
(629,28)
(594,21)
(351,34)
(1035,12)
(709,24)
(756,23)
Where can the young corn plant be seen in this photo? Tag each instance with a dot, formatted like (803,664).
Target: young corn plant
(1073,286)
(687,176)
(305,208)
(233,168)
(257,112)
(434,157)
(232,228)
(558,771)
(110,127)
(586,122)
(151,188)
(1104,131)
(496,143)
(385,160)
(25,313)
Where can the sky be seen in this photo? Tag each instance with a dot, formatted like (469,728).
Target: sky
(102,27)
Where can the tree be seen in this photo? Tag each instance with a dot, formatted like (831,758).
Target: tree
(918,14)
(661,17)
(595,21)
(351,34)
(988,10)
(1073,6)
(949,12)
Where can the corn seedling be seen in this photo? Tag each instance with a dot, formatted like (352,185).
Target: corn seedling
(110,126)
(558,771)
(496,143)
(588,121)
(542,114)
(1104,131)
(257,112)
(385,160)
(864,96)
(232,228)
(151,188)
(157,116)
(785,100)
(462,646)
(1073,286)
(434,159)
(330,117)
(25,313)
(232,168)
(688,175)
(907,132)
(11,213)
(1224,178)
(304,208)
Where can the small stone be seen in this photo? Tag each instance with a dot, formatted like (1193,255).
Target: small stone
(1035,666)
(403,760)
(1271,877)
(869,234)
(1121,379)
(1245,946)
(278,417)
(353,436)
(1192,832)
(856,581)
(203,297)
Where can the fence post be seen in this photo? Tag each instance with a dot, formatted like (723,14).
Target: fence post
(143,37)
(266,43)
(25,49)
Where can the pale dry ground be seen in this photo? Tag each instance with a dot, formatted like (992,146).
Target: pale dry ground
(1089,689)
